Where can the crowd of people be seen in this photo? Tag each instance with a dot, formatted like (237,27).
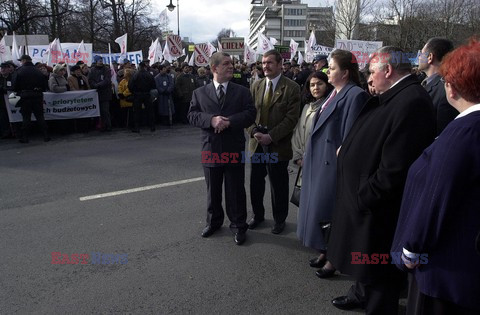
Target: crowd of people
(388,156)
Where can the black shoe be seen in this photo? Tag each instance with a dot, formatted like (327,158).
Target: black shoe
(317,262)
(346,303)
(46,139)
(324,273)
(278,228)
(240,238)
(208,231)
(253,223)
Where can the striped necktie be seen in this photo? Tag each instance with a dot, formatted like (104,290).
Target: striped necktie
(221,95)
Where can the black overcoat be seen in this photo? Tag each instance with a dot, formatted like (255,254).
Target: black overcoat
(390,133)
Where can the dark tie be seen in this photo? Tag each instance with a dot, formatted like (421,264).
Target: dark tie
(221,95)
(267,99)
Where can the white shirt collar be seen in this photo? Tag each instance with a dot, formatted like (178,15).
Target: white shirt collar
(274,81)
(399,80)
(469,110)
(225,85)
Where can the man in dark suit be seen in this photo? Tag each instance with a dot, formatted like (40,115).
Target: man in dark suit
(429,62)
(277,100)
(222,110)
(391,131)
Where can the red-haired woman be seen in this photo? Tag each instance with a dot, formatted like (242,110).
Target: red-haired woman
(440,215)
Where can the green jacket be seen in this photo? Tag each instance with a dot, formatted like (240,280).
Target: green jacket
(282,118)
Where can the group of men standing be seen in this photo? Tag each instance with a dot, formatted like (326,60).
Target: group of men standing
(391,131)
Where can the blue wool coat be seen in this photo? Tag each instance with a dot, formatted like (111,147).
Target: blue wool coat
(317,197)
(440,214)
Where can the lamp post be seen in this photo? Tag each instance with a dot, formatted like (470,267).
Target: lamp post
(170,8)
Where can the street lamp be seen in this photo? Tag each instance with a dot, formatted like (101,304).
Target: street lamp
(170,8)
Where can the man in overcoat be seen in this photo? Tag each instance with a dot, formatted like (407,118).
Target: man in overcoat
(390,133)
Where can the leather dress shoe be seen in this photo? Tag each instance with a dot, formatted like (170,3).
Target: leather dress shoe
(324,273)
(278,228)
(253,223)
(240,238)
(317,262)
(208,231)
(346,303)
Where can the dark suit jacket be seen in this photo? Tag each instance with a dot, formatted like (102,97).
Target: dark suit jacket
(444,112)
(440,214)
(282,118)
(390,133)
(238,107)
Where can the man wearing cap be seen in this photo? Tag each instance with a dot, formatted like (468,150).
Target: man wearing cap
(100,78)
(30,84)
(320,63)
(77,81)
(6,87)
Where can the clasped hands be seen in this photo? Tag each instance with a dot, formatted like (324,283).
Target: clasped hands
(220,123)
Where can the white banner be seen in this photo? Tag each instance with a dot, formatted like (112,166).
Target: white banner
(70,56)
(135,57)
(359,48)
(175,45)
(322,50)
(67,105)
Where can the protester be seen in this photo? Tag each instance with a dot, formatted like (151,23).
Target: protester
(440,218)
(30,84)
(141,83)
(45,70)
(202,78)
(287,70)
(165,85)
(77,81)
(277,100)
(99,78)
(222,109)
(57,82)
(330,127)
(126,98)
(184,86)
(429,62)
(391,131)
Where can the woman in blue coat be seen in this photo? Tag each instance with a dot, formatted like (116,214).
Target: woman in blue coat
(330,126)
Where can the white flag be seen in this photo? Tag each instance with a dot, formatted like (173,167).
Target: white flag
(15,52)
(300,58)
(55,52)
(166,52)
(231,33)
(82,54)
(122,42)
(202,55)
(263,44)
(112,72)
(249,55)
(273,41)
(293,48)
(5,53)
(219,46)
(211,49)
(155,52)
(309,53)
(191,62)
(162,18)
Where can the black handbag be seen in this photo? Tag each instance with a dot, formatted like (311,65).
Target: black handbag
(295,199)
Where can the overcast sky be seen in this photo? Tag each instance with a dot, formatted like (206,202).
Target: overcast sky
(202,20)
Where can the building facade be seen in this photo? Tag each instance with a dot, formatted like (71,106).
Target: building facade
(285,20)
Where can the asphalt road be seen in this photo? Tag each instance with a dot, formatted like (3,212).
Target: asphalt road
(165,266)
